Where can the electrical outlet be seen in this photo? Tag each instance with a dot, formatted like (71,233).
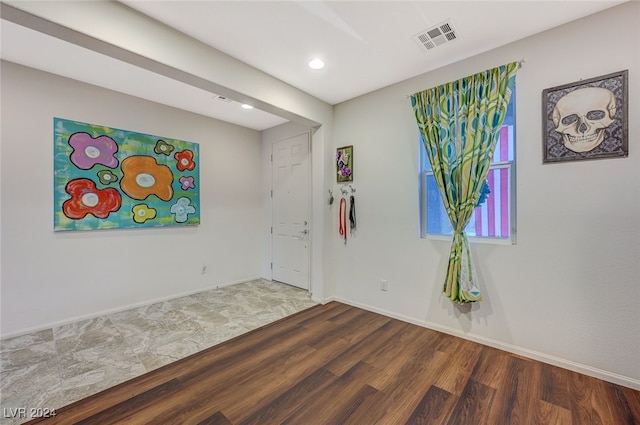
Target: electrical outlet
(384,285)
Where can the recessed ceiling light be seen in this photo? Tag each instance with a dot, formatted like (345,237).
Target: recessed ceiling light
(316,63)
(245,106)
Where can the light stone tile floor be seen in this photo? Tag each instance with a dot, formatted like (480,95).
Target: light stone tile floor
(51,368)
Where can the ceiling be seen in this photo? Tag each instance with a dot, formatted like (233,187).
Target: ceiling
(366,45)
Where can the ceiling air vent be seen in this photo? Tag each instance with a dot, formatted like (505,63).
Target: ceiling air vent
(436,36)
(222,98)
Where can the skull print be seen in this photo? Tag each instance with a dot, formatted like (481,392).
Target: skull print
(582,116)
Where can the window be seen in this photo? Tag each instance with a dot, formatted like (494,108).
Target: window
(495,218)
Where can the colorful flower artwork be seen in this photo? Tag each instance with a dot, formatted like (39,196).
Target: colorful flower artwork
(107,178)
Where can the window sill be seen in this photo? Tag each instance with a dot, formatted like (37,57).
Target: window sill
(473,239)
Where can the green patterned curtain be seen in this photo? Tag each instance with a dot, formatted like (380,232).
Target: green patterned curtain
(459,122)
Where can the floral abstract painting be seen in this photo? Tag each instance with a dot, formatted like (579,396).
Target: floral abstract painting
(344,164)
(107,178)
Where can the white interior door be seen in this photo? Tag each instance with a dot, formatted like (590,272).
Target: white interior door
(290,211)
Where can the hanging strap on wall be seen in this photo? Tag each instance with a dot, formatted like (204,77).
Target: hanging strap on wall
(343,218)
(352,213)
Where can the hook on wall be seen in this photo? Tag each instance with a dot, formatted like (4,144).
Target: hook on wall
(347,189)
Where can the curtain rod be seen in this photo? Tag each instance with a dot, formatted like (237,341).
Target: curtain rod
(520,62)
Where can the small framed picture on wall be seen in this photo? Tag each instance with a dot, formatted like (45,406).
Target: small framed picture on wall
(586,119)
(344,164)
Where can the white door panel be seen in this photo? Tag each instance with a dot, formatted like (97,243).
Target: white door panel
(290,211)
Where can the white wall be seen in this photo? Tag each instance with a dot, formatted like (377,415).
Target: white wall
(568,292)
(52,277)
(148,44)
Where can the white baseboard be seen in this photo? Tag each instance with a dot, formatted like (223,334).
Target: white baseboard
(324,301)
(525,352)
(123,308)
(532,354)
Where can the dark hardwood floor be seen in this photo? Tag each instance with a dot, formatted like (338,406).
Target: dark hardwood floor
(336,364)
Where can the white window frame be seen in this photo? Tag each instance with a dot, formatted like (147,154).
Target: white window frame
(510,165)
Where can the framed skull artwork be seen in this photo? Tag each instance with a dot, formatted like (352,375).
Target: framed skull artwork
(586,119)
